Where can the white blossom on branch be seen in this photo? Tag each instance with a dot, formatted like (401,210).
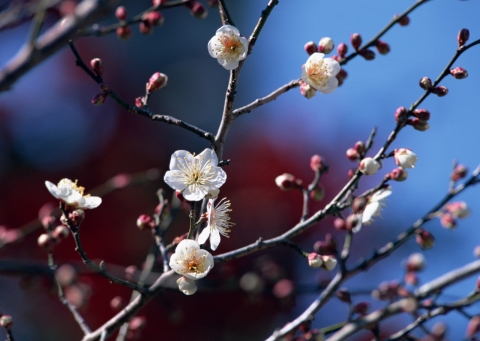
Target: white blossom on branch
(71,194)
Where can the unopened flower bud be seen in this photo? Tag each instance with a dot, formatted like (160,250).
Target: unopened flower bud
(124,32)
(156,82)
(458,209)
(145,27)
(448,221)
(459,73)
(463,36)
(77,216)
(314,260)
(440,91)
(99,99)
(342,50)
(155,18)
(425,239)
(400,114)
(199,11)
(422,114)
(329,262)
(369,166)
(367,54)
(307,91)
(359,204)
(425,83)
(341,75)
(356,40)
(47,222)
(105,88)
(415,262)
(286,182)
(473,326)
(139,102)
(117,303)
(317,163)
(361,308)
(318,193)
(352,222)
(398,174)
(327,246)
(344,295)
(404,21)
(405,158)
(459,172)
(60,232)
(418,124)
(352,154)
(339,224)
(121,13)
(382,47)
(310,48)
(46,242)
(359,147)
(6,321)
(97,66)
(325,45)
(144,222)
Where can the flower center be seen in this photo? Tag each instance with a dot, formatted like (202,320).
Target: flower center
(72,185)
(231,47)
(195,172)
(194,264)
(318,73)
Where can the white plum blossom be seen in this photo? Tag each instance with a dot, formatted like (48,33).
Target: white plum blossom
(72,195)
(218,223)
(192,263)
(320,73)
(375,205)
(187,285)
(228,47)
(458,209)
(405,158)
(195,176)
(369,166)
(329,262)
(314,260)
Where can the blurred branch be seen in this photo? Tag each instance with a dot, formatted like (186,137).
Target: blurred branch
(30,55)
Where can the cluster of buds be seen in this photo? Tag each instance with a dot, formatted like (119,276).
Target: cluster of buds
(415,263)
(451,212)
(420,118)
(404,158)
(387,291)
(287,182)
(326,262)
(325,45)
(356,152)
(55,234)
(197,9)
(96,65)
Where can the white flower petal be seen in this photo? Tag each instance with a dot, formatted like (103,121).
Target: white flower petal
(52,188)
(370,211)
(331,86)
(194,193)
(228,65)
(333,66)
(173,180)
(382,194)
(214,239)
(228,28)
(202,238)
(187,285)
(92,202)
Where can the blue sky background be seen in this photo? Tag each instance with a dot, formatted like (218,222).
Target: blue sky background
(47,117)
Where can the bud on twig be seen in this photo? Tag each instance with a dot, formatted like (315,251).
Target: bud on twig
(356,40)
(310,48)
(352,154)
(144,222)
(99,99)
(6,321)
(425,239)
(325,45)
(97,66)
(415,262)
(398,174)
(369,166)
(459,172)
(124,32)
(318,193)
(314,260)
(287,182)
(199,11)
(425,83)
(145,27)
(121,13)
(448,221)
(400,114)
(422,114)
(342,50)
(382,47)
(343,295)
(459,73)
(418,124)
(440,91)
(317,163)
(404,21)
(463,36)
(156,82)
(367,54)
(307,91)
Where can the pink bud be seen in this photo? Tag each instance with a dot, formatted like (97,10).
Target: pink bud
(425,83)
(155,18)
(145,27)
(137,323)
(144,222)
(351,222)
(6,321)
(46,242)
(121,13)
(124,32)
(352,154)
(307,91)
(398,174)
(60,232)
(117,303)
(99,99)
(343,295)
(400,114)
(310,48)
(356,40)
(463,36)
(159,2)
(361,308)
(286,182)
(342,50)
(139,102)
(369,166)
(458,209)
(459,172)
(97,66)
(359,147)
(325,45)
(342,75)
(317,163)
(156,82)
(351,172)
(418,124)
(367,54)
(425,239)
(459,73)
(314,260)
(473,326)
(339,224)
(404,21)
(415,262)
(448,221)
(422,114)
(199,11)
(382,47)
(440,91)
(410,278)
(359,204)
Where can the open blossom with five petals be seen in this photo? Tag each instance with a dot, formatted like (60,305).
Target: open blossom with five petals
(228,47)
(71,194)
(375,205)
(320,73)
(218,223)
(195,176)
(190,261)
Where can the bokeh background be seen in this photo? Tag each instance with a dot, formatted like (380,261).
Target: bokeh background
(49,130)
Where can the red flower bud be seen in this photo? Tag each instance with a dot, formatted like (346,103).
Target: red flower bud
(398,174)
(459,172)
(359,147)
(121,13)
(361,308)
(352,154)
(139,102)
(199,11)
(145,27)
(155,18)
(440,91)
(367,54)
(356,40)
(400,114)
(404,21)
(310,48)
(382,47)
(418,124)
(425,83)
(339,224)
(124,32)
(144,222)
(463,36)
(459,73)
(422,114)
(156,82)
(97,66)
(341,75)
(425,239)
(317,163)
(99,99)
(343,295)
(342,50)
